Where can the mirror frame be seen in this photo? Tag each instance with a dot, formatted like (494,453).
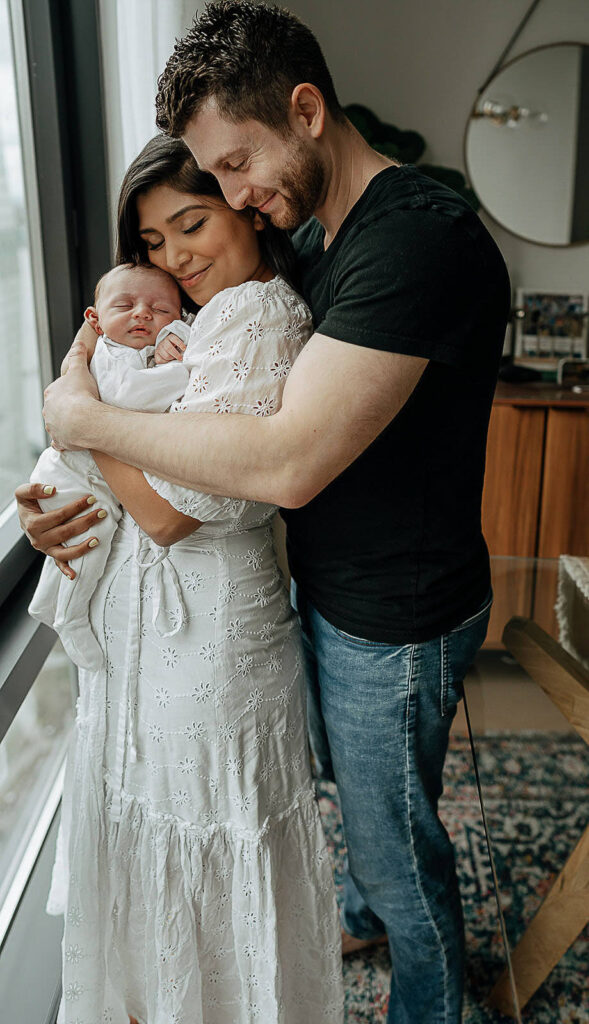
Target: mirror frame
(523,238)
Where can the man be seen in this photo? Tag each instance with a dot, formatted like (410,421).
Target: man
(377,457)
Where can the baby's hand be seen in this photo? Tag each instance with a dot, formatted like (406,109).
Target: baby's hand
(172,347)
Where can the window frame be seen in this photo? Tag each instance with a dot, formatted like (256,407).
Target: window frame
(58,76)
(62,127)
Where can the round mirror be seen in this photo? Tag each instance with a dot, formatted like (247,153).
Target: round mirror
(527,145)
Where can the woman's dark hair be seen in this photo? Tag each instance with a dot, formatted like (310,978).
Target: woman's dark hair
(166,161)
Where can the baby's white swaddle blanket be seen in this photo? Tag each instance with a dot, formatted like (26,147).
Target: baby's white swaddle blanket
(125,378)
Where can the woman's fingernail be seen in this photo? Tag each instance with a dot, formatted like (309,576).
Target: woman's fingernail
(92,543)
(48,489)
(101,514)
(91,500)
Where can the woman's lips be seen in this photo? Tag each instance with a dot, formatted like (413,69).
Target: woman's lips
(192,279)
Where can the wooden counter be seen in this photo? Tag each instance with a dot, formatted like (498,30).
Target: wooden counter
(539,393)
(536,495)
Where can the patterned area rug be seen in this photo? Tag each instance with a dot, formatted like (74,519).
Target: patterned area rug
(535,788)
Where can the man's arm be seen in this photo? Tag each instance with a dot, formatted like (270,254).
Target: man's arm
(338,398)
(153,514)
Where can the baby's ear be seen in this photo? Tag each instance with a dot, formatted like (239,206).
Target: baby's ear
(91,317)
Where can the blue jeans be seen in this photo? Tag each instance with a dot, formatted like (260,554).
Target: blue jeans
(379,719)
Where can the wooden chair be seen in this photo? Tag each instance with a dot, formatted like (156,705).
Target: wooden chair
(565,910)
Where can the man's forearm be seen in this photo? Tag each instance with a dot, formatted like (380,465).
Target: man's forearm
(338,398)
(234,455)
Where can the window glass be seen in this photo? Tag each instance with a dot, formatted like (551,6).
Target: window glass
(31,756)
(21,424)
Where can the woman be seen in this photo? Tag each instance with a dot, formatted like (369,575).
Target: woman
(194,874)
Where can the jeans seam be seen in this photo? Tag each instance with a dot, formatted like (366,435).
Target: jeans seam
(423,900)
(444,675)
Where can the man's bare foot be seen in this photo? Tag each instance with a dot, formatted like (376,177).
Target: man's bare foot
(350,944)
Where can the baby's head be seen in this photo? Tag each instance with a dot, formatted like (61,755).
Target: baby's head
(133,303)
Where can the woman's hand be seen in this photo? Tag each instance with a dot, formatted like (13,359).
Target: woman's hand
(172,347)
(47,531)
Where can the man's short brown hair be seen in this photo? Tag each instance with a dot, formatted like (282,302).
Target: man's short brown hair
(247,57)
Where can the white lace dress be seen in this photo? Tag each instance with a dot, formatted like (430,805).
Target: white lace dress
(192,867)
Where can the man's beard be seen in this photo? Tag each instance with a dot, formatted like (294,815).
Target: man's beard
(301,188)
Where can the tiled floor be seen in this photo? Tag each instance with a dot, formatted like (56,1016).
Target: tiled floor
(501,697)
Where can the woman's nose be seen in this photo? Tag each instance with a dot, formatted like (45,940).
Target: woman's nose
(177,256)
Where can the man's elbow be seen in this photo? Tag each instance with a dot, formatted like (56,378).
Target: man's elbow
(297,488)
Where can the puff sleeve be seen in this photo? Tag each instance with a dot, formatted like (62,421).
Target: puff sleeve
(242,346)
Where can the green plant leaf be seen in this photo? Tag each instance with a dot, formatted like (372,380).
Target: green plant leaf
(406,146)
(452,179)
(388,149)
(364,120)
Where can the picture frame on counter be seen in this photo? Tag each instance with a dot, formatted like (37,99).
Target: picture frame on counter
(552,326)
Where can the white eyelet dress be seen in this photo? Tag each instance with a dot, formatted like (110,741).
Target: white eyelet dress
(192,867)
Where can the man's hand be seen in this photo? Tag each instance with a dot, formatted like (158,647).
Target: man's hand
(172,347)
(88,336)
(70,399)
(47,531)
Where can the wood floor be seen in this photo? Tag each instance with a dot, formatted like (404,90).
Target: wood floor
(501,697)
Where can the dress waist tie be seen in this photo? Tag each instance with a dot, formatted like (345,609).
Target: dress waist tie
(127,724)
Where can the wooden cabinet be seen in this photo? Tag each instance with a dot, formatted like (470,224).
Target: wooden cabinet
(513,479)
(536,496)
(564,508)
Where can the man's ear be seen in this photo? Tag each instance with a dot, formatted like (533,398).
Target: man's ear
(91,317)
(307,107)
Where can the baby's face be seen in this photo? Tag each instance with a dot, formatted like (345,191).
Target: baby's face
(134,303)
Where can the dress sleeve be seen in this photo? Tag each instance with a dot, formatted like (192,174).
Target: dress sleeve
(242,346)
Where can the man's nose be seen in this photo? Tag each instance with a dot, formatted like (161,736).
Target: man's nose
(237,195)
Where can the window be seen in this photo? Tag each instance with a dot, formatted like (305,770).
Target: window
(31,759)
(21,424)
(54,245)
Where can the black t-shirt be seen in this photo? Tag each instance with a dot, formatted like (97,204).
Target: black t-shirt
(392,550)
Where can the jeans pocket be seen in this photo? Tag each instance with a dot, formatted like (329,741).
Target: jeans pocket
(458,650)
(483,611)
(359,641)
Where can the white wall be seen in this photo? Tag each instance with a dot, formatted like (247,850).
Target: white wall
(419,64)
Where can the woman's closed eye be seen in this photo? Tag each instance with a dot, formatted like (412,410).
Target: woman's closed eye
(195,227)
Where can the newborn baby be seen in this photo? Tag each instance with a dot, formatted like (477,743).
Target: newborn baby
(135,306)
